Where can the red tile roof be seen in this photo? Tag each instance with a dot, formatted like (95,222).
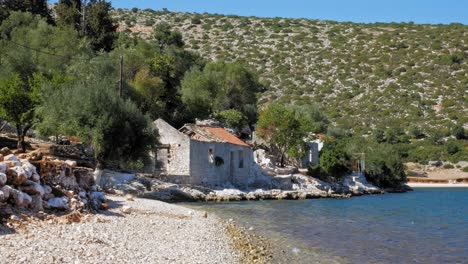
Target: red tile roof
(225,135)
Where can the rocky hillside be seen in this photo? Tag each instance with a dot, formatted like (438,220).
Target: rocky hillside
(361,75)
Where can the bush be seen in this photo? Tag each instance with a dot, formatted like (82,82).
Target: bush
(448,166)
(333,160)
(465,169)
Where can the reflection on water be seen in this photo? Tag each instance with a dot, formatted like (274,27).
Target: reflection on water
(424,226)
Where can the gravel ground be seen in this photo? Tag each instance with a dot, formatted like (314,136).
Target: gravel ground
(139,231)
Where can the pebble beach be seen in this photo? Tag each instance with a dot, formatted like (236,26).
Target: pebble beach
(131,231)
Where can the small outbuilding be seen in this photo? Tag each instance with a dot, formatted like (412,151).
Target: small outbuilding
(203,155)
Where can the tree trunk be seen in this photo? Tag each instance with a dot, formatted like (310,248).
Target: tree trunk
(98,172)
(282,160)
(20,144)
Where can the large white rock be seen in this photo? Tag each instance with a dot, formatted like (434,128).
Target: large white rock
(60,203)
(3,178)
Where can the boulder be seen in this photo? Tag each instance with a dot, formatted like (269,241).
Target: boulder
(20,198)
(35,177)
(5,193)
(3,178)
(283,182)
(13,178)
(28,168)
(59,203)
(5,151)
(32,188)
(13,159)
(37,203)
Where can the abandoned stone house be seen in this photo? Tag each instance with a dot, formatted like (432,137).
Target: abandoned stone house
(203,155)
(311,157)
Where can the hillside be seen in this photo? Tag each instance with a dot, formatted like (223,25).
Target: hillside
(362,75)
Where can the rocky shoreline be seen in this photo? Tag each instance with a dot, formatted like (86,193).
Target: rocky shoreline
(289,187)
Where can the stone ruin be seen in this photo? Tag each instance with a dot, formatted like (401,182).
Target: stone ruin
(35,182)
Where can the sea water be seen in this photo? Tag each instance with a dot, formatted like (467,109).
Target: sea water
(428,225)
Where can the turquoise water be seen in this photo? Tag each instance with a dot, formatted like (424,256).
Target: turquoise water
(428,225)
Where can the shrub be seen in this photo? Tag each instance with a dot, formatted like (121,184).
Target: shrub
(448,166)
(465,169)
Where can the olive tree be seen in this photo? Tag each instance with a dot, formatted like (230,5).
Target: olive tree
(279,126)
(115,128)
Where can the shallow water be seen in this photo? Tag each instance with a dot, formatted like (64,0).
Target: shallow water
(428,225)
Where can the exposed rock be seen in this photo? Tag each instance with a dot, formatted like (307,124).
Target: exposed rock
(13,159)
(283,182)
(13,178)
(32,188)
(60,203)
(5,151)
(3,167)
(37,203)
(6,190)
(3,178)
(126,210)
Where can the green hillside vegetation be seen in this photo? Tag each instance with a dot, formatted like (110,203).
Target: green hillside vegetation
(364,76)
(399,83)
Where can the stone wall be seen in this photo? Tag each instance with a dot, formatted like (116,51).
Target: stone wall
(177,161)
(205,172)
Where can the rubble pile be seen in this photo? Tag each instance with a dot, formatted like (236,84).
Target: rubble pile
(35,182)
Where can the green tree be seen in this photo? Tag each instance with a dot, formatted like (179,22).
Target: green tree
(232,118)
(458,132)
(100,27)
(333,160)
(17,106)
(164,36)
(279,126)
(69,13)
(379,135)
(312,118)
(37,7)
(221,86)
(116,129)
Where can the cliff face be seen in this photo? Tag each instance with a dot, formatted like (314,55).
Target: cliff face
(362,75)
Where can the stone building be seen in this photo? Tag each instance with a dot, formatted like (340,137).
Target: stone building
(311,157)
(203,155)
